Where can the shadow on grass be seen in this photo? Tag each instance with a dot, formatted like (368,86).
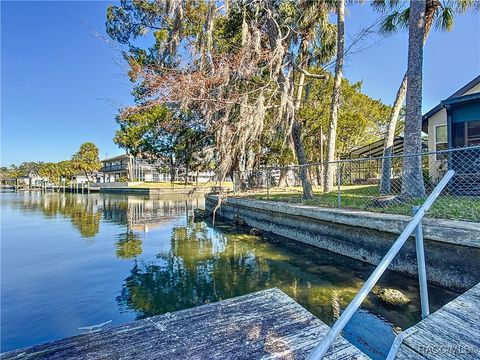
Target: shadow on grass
(359,197)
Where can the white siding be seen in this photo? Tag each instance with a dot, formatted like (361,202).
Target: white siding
(475,89)
(439,118)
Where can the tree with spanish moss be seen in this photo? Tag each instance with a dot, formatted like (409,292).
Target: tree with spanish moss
(237,64)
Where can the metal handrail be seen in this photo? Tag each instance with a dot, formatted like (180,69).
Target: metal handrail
(412,226)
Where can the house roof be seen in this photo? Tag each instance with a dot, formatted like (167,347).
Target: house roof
(457,93)
(461,99)
(375,149)
(118,157)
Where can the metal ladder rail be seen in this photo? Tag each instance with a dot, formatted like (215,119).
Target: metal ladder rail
(321,349)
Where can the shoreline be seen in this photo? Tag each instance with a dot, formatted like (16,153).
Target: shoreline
(452,247)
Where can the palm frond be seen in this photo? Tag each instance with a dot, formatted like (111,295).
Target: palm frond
(390,23)
(384,6)
(403,18)
(462,6)
(444,19)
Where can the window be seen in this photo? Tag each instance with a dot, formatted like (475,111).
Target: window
(473,133)
(441,140)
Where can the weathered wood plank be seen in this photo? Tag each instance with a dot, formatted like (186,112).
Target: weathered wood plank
(407,353)
(263,325)
(452,332)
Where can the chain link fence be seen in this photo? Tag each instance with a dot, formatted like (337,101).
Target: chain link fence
(359,183)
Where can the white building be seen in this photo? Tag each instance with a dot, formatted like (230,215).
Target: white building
(129,168)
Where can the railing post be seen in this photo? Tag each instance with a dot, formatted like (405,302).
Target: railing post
(322,348)
(339,201)
(422,271)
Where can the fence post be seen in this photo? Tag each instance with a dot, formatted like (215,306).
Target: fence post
(268,183)
(422,271)
(338,184)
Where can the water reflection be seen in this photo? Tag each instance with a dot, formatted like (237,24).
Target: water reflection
(143,214)
(86,211)
(83,211)
(129,245)
(204,265)
(148,257)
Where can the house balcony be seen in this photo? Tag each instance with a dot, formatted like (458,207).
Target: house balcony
(114,168)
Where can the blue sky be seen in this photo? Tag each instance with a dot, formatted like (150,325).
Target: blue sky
(61,85)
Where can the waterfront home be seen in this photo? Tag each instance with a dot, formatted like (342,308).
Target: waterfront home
(115,168)
(24,181)
(81,178)
(454,123)
(128,167)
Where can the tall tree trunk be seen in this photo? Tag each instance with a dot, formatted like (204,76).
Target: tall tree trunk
(172,169)
(302,160)
(282,181)
(86,175)
(186,172)
(332,129)
(412,180)
(385,186)
(299,146)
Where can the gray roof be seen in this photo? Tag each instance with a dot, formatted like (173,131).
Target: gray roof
(375,149)
(118,157)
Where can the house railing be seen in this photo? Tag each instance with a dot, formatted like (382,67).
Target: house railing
(414,225)
(116,167)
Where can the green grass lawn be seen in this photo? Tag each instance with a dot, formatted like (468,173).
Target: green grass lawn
(360,197)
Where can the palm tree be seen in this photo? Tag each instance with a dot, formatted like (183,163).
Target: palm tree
(438,14)
(315,46)
(412,179)
(332,130)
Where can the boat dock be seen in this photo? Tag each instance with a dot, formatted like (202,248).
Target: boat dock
(452,332)
(262,325)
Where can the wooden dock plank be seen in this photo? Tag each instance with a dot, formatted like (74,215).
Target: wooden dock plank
(263,325)
(407,353)
(452,332)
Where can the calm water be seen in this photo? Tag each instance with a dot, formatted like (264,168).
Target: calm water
(69,261)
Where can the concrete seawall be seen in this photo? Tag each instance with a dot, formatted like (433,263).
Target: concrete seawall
(452,247)
(156,191)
